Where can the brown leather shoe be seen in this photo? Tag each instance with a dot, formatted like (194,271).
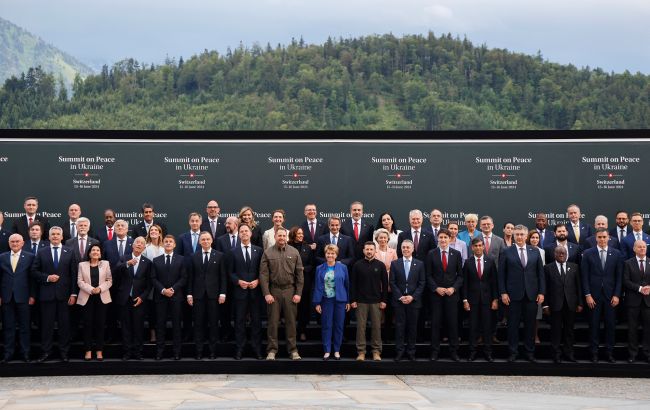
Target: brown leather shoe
(361,357)
(376,356)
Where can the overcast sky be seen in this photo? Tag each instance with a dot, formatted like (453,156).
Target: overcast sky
(611,34)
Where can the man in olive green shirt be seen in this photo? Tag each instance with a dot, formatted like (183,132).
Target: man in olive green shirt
(281,279)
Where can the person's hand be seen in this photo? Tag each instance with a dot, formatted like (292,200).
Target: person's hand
(295,299)
(382,305)
(253,284)
(31,301)
(495,305)
(72,300)
(132,262)
(615,301)
(590,302)
(347,307)
(353,305)
(190,300)
(53,278)
(319,309)
(269,299)
(222,299)
(243,284)
(579,308)
(138,301)
(505,299)
(441,291)
(540,299)
(466,306)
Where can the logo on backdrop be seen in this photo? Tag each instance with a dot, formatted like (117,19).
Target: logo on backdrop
(504,171)
(86,170)
(610,171)
(192,170)
(399,171)
(296,170)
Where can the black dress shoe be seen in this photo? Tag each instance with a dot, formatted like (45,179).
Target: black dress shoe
(531,358)
(610,358)
(237,356)
(594,358)
(199,357)
(138,356)
(411,357)
(5,360)
(434,357)
(454,357)
(126,357)
(65,358)
(259,356)
(399,356)
(26,359)
(177,357)
(631,359)
(213,356)
(489,358)
(472,357)
(571,359)
(512,358)
(159,357)
(557,359)
(44,358)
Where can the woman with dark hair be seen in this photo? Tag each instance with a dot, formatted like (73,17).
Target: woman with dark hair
(508,230)
(297,240)
(94,280)
(247,217)
(387,222)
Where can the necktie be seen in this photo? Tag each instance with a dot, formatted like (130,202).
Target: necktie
(562,272)
(55,261)
(478,268)
(233,241)
(416,241)
(638,236)
(334,240)
(34,246)
(30,221)
(435,232)
(73,230)
(213,227)
(642,266)
(576,232)
(14,261)
(206,258)
(121,248)
(407,268)
(486,239)
(110,234)
(82,248)
(621,235)
(248,257)
(195,240)
(444,261)
(522,256)
(169,260)
(603,258)
(356,231)
(541,234)
(312,231)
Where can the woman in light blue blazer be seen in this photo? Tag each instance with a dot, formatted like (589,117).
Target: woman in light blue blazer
(332,299)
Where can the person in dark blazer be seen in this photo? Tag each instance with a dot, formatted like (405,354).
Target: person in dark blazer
(599,222)
(106,232)
(169,278)
(602,289)
(422,239)
(363,231)
(622,228)
(522,288)
(188,242)
(247,217)
(343,242)
(21,225)
(229,240)
(225,244)
(247,295)
(16,297)
(444,278)
(407,281)
(636,279)
(563,300)
(213,223)
(297,240)
(546,234)
(576,226)
(480,293)
(627,246)
(120,245)
(70,227)
(132,280)
(142,228)
(55,272)
(561,235)
(4,236)
(35,241)
(206,291)
(83,227)
(312,227)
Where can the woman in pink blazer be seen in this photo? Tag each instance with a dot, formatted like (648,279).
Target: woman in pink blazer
(94,280)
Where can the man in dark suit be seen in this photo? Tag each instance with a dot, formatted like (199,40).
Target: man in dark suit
(106,232)
(244,271)
(578,231)
(344,242)
(601,269)
(422,239)
(132,279)
(563,300)
(561,235)
(229,240)
(4,236)
(357,229)
(312,227)
(622,228)
(188,242)
(16,296)
(169,279)
(34,243)
(627,246)
(407,282)
(21,225)
(444,279)
(546,235)
(206,290)
(636,279)
(213,223)
(55,272)
(142,228)
(480,293)
(522,288)
(119,246)
(82,242)
(435,217)
(600,222)
(70,228)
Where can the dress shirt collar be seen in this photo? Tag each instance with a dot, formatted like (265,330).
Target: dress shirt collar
(560,265)
(602,249)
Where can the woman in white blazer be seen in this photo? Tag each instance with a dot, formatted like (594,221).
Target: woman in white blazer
(94,280)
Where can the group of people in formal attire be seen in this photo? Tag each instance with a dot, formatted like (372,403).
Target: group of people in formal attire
(225,267)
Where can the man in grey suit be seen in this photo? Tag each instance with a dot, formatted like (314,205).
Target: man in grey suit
(493,244)
(82,242)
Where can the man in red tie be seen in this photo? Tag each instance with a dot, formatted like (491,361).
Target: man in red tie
(360,231)
(107,232)
(21,225)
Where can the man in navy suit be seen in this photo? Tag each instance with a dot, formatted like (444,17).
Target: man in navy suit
(546,235)
(206,290)
(627,246)
(636,279)
(578,231)
(407,282)
(561,235)
(622,228)
(229,240)
(213,223)
(35,242)
(16,296)
(480,293)
(70,228)
(422,239)
(600,222)
(344,242)
(244,270)
(435,217)
(444,279)
(106,232)
(121,244)
(188,242)
(142,228)
(169,279)
(55,271)
(602,272)
(357,229)
(522,287)
(132,279)
(4,236)
(21,225)
(312,227)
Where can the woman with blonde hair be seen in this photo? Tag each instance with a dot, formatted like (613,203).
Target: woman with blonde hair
(247,217)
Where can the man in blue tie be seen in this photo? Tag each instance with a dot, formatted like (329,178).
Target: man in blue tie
(35,242)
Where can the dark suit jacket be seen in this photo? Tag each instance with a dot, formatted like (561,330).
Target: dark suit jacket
(141,230)
(238,270)
(184,244)
(346,249)
(66,231)
(224,245)
(480,291)
(220,229)
(416,281)
(17,286)
(591,243)
(425,244)
(173,276)
(4,240)
(211,279)
(126,279)
(102,235)
(436,277)
(20,226)
(627,247)
(67,271)
(74,245)
(614,231)
(573,256)
(549,236)
(319,229)
(112,253)
(559,289)
(27,247)
(585,232)
(518,281)
(365,234)
(596,279)
(633,279)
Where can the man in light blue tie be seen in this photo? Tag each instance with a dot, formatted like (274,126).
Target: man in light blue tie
(188,242)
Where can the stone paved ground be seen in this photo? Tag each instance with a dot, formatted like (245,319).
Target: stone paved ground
(315,392)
